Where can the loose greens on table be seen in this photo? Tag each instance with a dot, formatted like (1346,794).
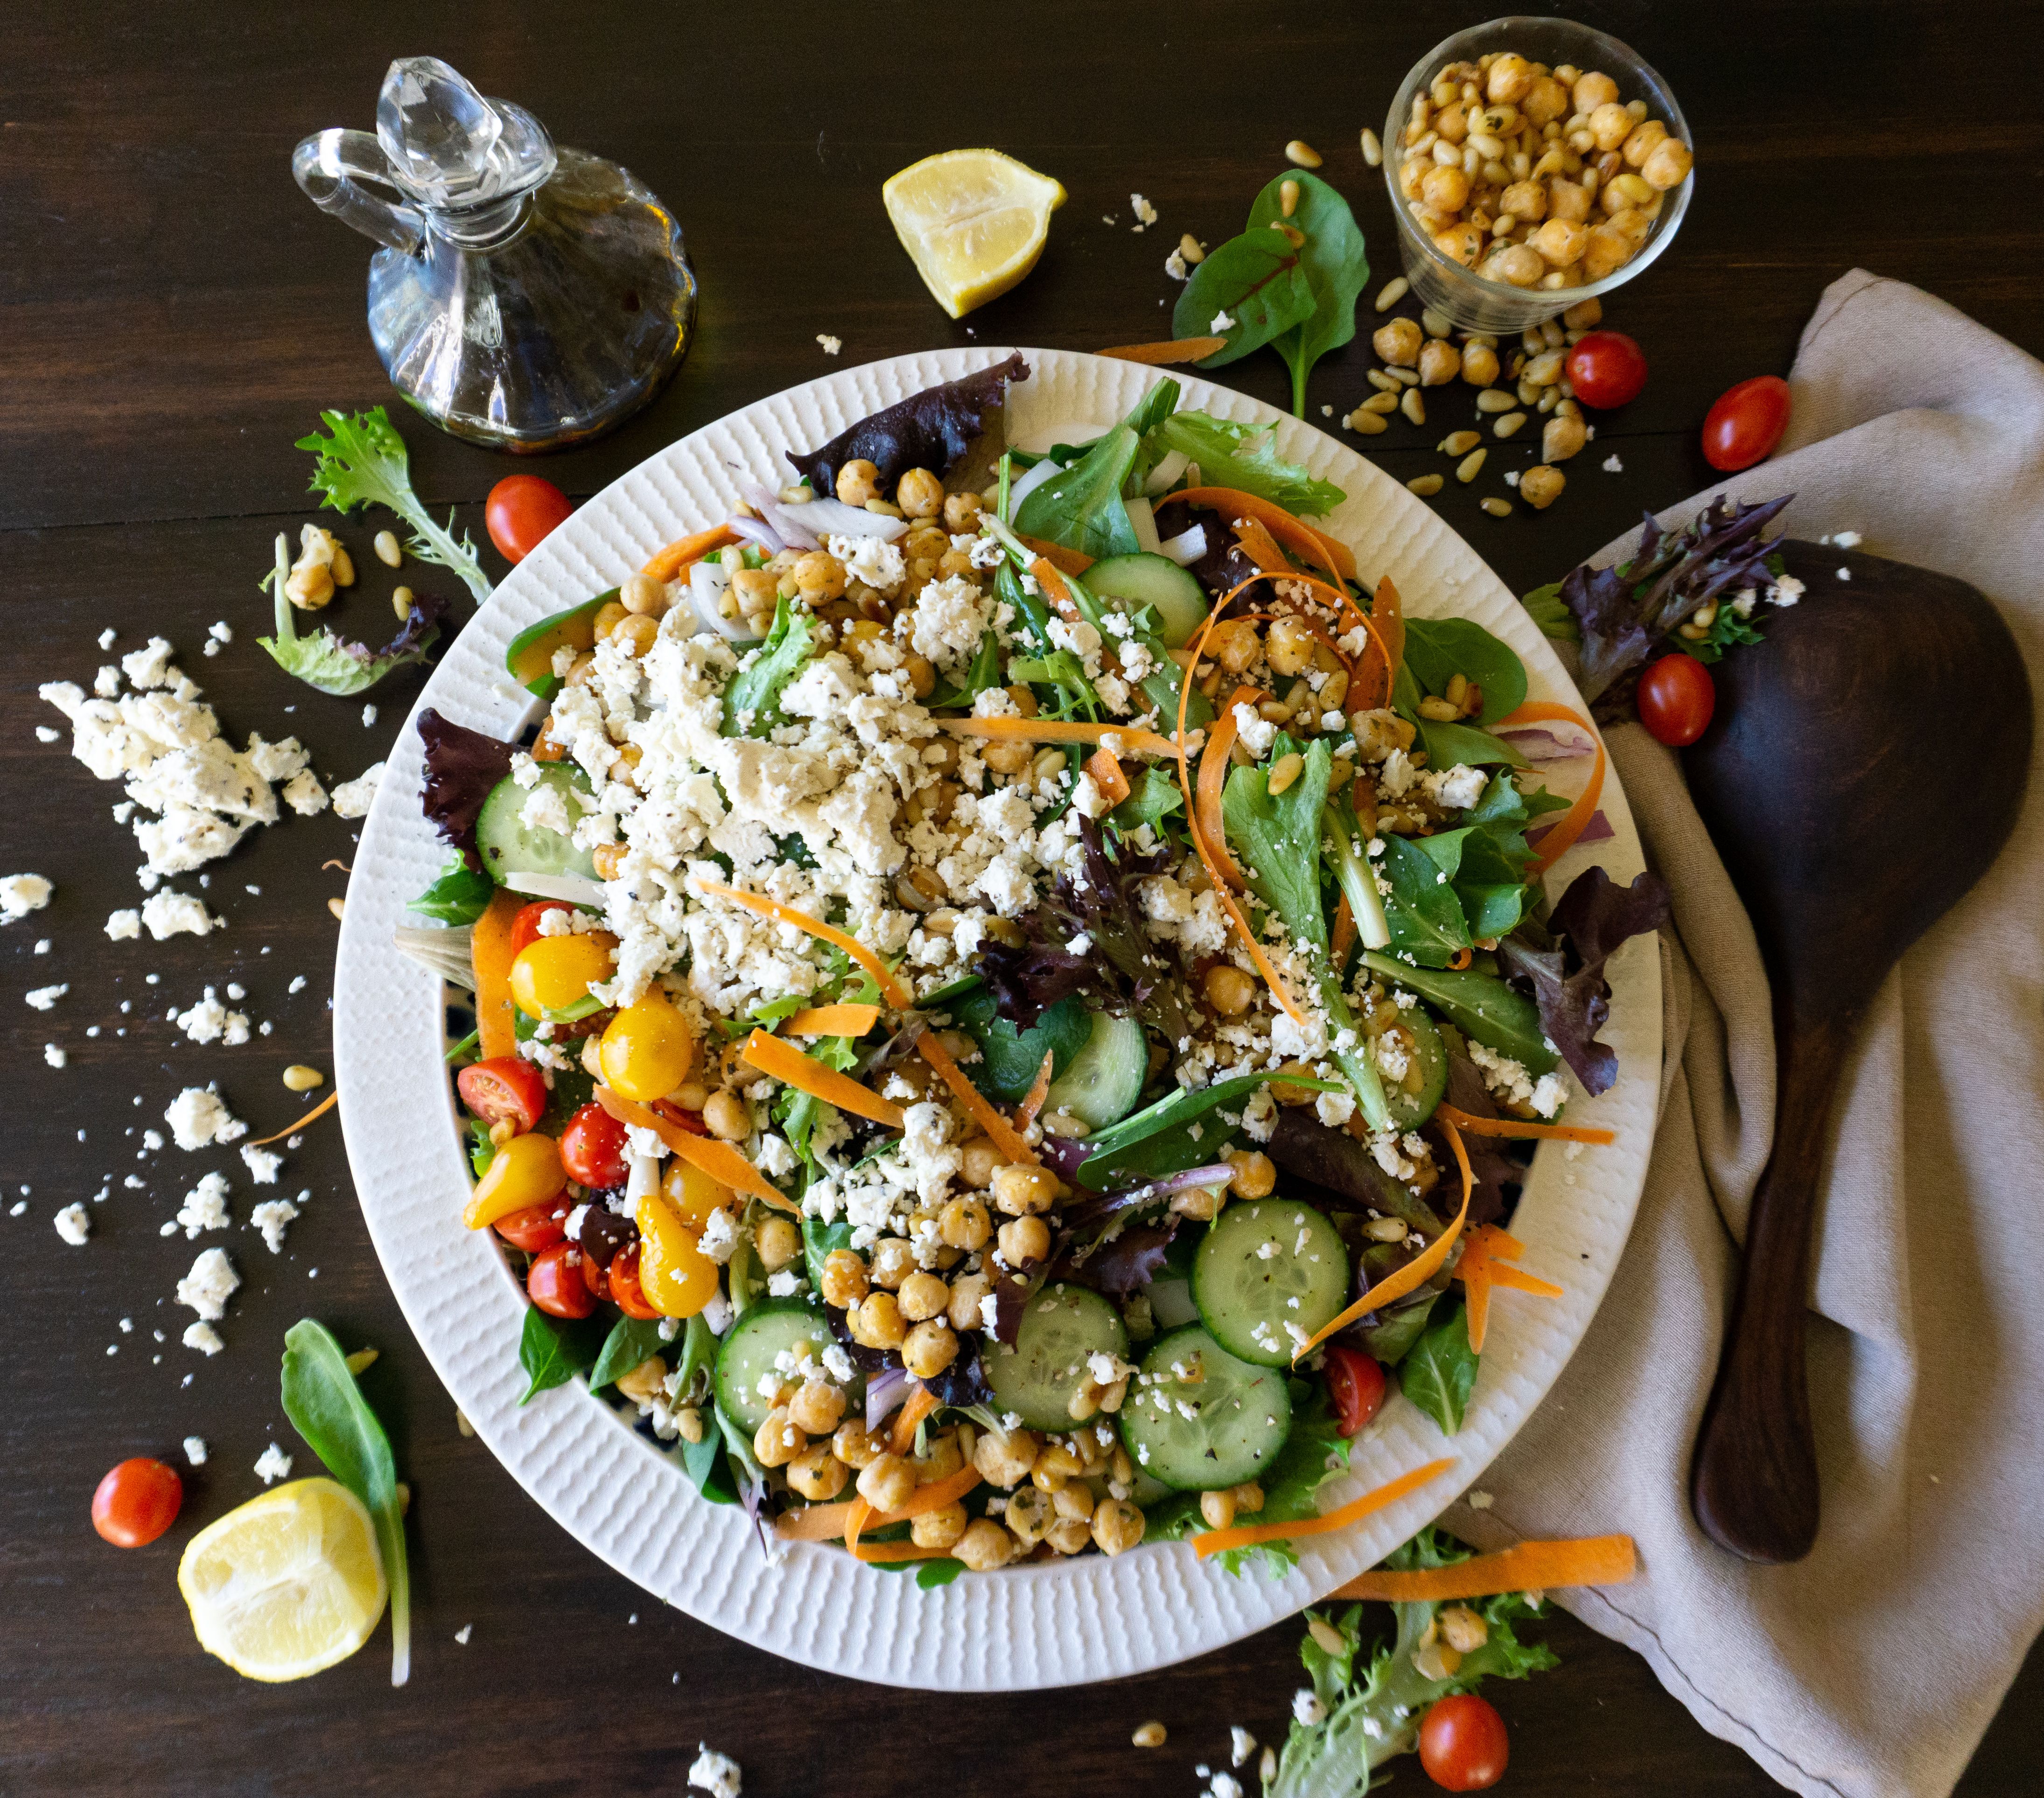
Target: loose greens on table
(338,665)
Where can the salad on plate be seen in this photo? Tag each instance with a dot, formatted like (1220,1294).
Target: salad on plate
(1010,987)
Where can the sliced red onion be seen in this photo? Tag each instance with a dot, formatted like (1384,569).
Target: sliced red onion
(754,530)
(1187,548)
(765,502)
(833,517)
(1558,741)
(1597,829)
(886,1392)
(1210,1176)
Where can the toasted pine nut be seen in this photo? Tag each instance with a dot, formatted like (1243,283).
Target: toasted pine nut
(344,567)
(1459,443)
(1288,770)
(1414,408)
(1392,292)
(1381,403)
(1373,151)
(1510,424)
(1303,153)
(400,602)
(1288,197)
(387,552)
(335,906)
(1149,1735)
(1190,250)
(1367,423)
(1432,323)
(1495,507)
(1326,1636)
(1470,466)
(1425,485)
(1378,379)
(302,1079)
(1496,399)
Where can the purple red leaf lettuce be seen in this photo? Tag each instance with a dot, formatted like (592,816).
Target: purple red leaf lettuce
(462,767)
(933,429)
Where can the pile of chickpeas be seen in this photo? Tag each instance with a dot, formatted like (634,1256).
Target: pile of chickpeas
(1535,177)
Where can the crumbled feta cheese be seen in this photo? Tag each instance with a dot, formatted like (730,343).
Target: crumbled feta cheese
(1241,1745)
(273,1464)
(197,1117)
(1220,323)
(54,1056)
(42,998)
(195,1450)
(203,1337)
(830,345)
(205,1207)
(1613,465)
(1307,1707)
(351,798)
(272,1217)
(210,1284)
(168,913)
(210,1021)
(124,926)
(1145,213)
(74,1224)
(262,1164)
(717,1774)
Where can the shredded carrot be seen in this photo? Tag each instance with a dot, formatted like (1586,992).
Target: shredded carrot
(1214,1542)
(1520,1127)
(788,1064)
(917,1406)
(1050,578)
(1179,349)
(1333,556)
(890,1554)
(1561,837)
(1039,1090)
(1417,1271)
(832,1021)
(815,1523)
(1062,730)
(491,953)
(682,550)
(1344,935)
(305,1118)
(1483,1266)
(855,1520)
(1388,611)
(1107,775)
(826,1522)
(1214,761)
(1531,1566)
(1011,1146)
(1064,561)
(722,1162)
(891,990)
(1260,548)
(690,1121)
(1460,959)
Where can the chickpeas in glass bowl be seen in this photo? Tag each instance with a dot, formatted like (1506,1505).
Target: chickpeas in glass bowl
(1534,164)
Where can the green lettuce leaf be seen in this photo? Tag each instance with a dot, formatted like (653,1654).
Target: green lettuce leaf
(364,462)
(1246,456)
(752,701)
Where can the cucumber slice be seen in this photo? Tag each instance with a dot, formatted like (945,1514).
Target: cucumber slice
(1412,1101)
(508,845)
(530,657)
(1106,1077)
(1218,1429)
(1266,1269)
(750,1352)
(1037,1377)
(1146,578)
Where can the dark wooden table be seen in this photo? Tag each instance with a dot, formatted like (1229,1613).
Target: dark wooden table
(175,313)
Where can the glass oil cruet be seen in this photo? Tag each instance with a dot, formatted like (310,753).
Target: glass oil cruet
(526,295)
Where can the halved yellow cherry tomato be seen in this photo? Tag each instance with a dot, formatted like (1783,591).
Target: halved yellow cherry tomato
(552,973)
(648,1049)
(526,1171)
(694,1195)
(675,1277)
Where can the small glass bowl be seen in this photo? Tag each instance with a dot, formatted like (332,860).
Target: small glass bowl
(1470,300)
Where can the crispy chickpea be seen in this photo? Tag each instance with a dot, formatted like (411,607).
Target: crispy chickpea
(1540,487)
(1517,265)
(893,1261)
(817,1406)
(845,1281)
(984,1546)
(1526,201)
(1249,1497)
(920,493)
(855,1445)
(1461,244)
(1290,647)
(636,635)
(1632,224)
(1445,188)
(1022,1191)
(1607,250)
(1641,140)
(878,1322)
(755,590)
(1452,123)
(940,1528)
(1397,342)
(923,1296)
(778,1440)
(981,1158)
(1479,365)
(1007,757)
(922,675)
(819,576)
(946,1457)
(963,1224)
(1056,1467)
(967,1290)
(725,1115)
(929,1349)
(887,1482)
(1254,1174)
(1569,201)
(1545,99)
(962,512)
(1069,1535)
(1229,990)
(1117,1525)
(1667,164)
(1440,362)
(1235,644)
(1561,438)
(1509,80)
(1217,1509)
(1610,124)
(1025,1240)
(858,482)
(1074,1500)
(1559,244)
(778,1241)
(1592,90)
(1004,1458)
(817,1474)
(609,616)
(641,593)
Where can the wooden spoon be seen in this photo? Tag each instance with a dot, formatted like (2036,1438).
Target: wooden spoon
(1864,767)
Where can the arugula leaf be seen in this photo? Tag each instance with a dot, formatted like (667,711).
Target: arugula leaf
(1081,508)
(752,701)
(553,1351)
(1337,270)
(1245,456)
(339,665)
(1479,1004)
(326,1406)
(364,462)
(630,1343)
(1438,1372)
(459,896)
(1258,282)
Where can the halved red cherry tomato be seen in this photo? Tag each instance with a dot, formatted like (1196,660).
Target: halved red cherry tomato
(1746,423)
(1355,1384)
(557,1284)
(1607,368)
(625,1292)
(525,927)
(504,1088)
(522,509)
(137,1501)
(593,1148)
(536,1226)
(1677,698)
(1463,1744)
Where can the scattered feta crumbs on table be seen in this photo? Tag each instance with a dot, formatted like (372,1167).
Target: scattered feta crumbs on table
(830,345)
(298,984)
(272,1217)
(273,1464)
(197,1118)
(262,1164)
(368,716)
(1241,1745)
(74,1224)
(1224,1785)
(107,637)
(1307,1707)
(42,998)
(20,894)
(462,1634)
(208,1287)
(351,798)
(717,1774)
(1145,213)
(195,1450)
(1480,1501)
(43,945)
(1613,465)
(210,1021)
(205,1339)
(204,1208)
(1842,540)
(54,1055)
(1845,574)
(45,734)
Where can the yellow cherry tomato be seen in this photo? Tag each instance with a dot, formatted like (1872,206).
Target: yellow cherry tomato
(694,1195)
(552,973)
(647,1049)
(677,1278)
(525,1171)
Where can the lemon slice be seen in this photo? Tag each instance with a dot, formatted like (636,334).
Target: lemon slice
(287,1584)
(974,222)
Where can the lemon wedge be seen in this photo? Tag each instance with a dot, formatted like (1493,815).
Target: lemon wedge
(286,1584)
(974,222)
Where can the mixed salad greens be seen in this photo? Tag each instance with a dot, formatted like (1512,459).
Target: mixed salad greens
(1018,981)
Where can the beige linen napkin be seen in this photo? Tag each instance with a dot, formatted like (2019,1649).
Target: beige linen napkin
(1873,1666)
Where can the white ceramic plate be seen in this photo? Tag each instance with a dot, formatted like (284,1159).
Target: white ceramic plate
(1044,1625)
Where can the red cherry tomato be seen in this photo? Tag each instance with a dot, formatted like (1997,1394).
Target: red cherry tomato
(1746,423)
(557,1284)
(593,1148)
(1607,369)
(504,1088)
(536,1226)
(626,1293)
(1462,1744)
(522,509)
(137,1502)
(1676,696)
(1355,1384)
(525,927)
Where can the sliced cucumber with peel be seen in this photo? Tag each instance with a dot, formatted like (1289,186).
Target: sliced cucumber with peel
(1106,1077)
(1411,1102)
(509,846)
(1062,1328)
(754,1345)
(1268,1274)
(1146,579)
(1200,1418)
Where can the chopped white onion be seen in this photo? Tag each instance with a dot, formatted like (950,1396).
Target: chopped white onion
(822,518)
(1166,473)
(708,583)
(1187,548)
(572,890)
(1143,516)
(1033,479)
(1074,431)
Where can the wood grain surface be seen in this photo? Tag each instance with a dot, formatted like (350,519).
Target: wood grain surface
(173,313)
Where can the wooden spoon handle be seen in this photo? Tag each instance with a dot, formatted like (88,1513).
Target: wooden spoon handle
(1754,1483)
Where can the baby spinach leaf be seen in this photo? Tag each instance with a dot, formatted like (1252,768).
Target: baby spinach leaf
(1257,282)
(1245,456)
(752,701)
(1422,909)
(820,1239)
(1452,746)
(1478,1004)
(1336,267)
(1011,1058)
(1438,649)
(1150,801)
(631,1341)
(1277,838)
(1174,1111)
(1439,1371)
(552,1350)
(1081,508)
(459,896)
